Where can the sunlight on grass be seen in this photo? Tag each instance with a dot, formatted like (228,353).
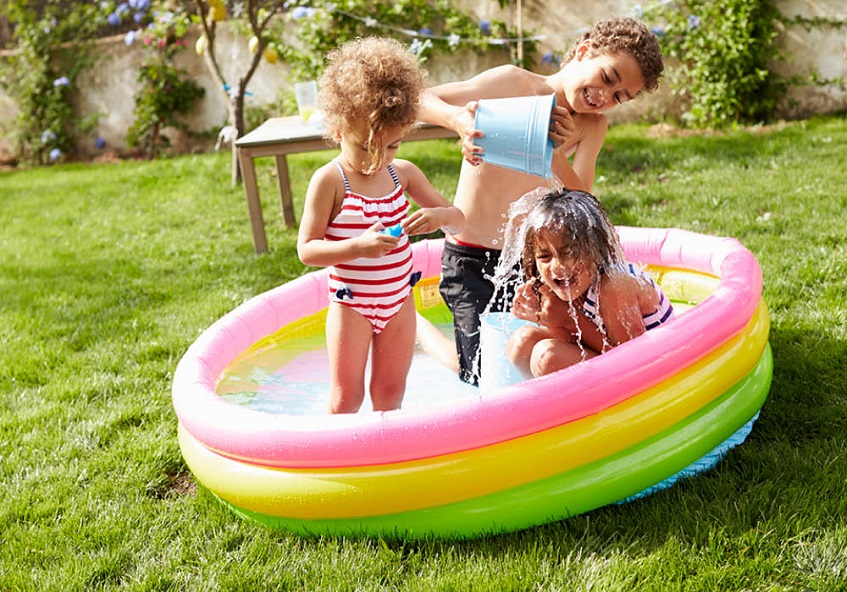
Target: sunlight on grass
(109,272)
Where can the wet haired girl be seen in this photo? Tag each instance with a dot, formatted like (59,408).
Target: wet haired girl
(576,274)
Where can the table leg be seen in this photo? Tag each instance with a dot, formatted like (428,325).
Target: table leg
(254,206)
(285,191)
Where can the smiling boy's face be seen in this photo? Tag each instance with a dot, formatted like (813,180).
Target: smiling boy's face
(596,82)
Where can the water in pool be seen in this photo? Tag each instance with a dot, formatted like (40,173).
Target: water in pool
(288,373)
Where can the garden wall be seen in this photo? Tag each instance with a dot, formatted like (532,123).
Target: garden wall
(110,87)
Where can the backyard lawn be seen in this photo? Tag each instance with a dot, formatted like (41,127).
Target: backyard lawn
(108,272)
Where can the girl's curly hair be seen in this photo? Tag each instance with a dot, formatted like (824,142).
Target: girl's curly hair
(373,80)
(624,34)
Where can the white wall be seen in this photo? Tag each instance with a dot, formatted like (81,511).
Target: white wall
(110,87)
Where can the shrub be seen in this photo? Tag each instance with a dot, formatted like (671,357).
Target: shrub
(725,50)
(53,47)
(166,91)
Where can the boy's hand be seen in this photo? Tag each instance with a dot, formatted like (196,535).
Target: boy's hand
(561,126)
(467,132)
(373,243)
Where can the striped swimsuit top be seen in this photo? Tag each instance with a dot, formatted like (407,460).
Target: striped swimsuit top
(377,287)
(662,314)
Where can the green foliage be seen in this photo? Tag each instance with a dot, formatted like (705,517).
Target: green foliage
(725,49)
(53,47)
(166,93)
(428,26)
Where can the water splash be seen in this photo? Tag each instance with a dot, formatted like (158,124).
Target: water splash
(587,235)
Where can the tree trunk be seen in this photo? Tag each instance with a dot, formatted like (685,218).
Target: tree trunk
(236,119)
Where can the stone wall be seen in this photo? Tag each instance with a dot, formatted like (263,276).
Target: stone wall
(110,87)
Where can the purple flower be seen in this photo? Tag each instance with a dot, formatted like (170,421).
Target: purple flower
(299,12)
(113,19)
(485,26)
(122,8)
(99,143)
(550,58)
(658,31)
(47,136)
(425,31)
(138,17)
(693,21)
(55,153)
(63,81)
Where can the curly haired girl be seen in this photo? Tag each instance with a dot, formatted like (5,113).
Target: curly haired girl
(369,94)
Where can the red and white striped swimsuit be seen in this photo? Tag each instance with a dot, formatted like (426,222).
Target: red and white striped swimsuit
(377,287)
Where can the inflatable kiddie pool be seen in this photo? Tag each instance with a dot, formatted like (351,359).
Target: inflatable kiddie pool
(475,462)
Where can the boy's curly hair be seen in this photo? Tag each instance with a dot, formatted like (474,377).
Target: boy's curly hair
(373,80)
(624,34)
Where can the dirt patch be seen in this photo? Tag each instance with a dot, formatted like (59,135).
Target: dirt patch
(175,485)
(8,161)
(183,484)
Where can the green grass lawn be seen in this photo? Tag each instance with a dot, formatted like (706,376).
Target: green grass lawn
(109,272)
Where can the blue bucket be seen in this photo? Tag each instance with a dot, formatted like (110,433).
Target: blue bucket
(516,132)
(496,371)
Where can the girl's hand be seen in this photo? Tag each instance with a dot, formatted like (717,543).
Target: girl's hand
(426,220)
(561,126)
(545,309)
(527,304)
(373,243)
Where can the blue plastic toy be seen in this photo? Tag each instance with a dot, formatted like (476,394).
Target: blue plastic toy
(395,230)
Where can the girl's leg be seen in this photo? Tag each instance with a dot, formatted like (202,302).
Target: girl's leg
(520,345)
(550,355)
(391,359)
(436,344)
(348,339)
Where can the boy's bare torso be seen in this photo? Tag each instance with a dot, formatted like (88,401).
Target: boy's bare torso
(485,192)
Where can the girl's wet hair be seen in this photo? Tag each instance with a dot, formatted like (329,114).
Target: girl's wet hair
(583,225)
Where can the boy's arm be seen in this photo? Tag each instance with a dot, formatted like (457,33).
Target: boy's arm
(565,173)
(495,83)
(453,104)
(588,149)
(460,119)
(579,174)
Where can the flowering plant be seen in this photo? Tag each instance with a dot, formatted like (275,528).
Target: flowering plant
(724,49)
(52,49)
(166,92)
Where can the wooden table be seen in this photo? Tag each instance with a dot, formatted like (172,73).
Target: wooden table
(278,137)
